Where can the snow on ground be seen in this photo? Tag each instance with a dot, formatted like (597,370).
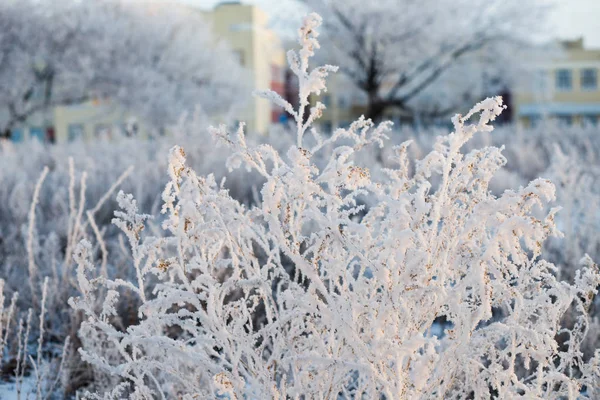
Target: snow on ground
(8,390)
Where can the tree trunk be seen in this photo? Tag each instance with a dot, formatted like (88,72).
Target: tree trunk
(375,107)
(6,134)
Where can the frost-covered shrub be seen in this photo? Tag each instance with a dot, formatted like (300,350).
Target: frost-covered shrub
(569,156)
(42,220)
(35,373)
(310,294)
(83,178)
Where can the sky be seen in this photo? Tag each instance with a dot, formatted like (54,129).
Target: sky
(569,19)
(574,18)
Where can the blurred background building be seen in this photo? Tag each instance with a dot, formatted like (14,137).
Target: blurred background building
(564,88)
(259,50)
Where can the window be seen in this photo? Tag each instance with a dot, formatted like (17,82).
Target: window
(75,132)
(37,133)
(564,79)
(131,127)
(326,100)
(50,134)
(589,79)
(16,135)
(343,102)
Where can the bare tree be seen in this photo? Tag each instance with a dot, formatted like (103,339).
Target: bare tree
(155,58)
(408,53)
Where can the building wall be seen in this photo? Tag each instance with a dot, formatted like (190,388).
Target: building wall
(89,120)
(543,97)
(244,28)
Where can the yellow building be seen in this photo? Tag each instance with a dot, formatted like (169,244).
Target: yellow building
(92,119)
(259,50)
(565,88)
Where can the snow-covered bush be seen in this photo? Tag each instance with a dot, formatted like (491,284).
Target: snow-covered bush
(40,224)
(309,294)
(82,178)
(569,156)
(36,373)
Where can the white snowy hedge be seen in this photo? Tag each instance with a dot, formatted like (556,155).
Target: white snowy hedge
(309,294)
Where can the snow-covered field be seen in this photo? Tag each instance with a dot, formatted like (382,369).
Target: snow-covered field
(346,264)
